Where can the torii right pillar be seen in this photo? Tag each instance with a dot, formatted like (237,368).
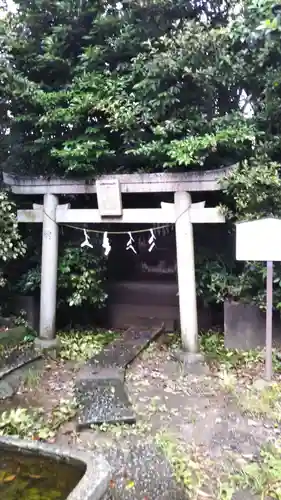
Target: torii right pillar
(186,273)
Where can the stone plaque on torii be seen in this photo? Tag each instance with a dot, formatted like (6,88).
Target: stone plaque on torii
(182,213)
(109,198)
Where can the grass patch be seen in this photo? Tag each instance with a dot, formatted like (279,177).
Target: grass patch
(265,402)
(82,345)
(212,345)
(228,380)
(32,378)
(262,478)
(122,431)
(33,423)
(187,470)
(233,364)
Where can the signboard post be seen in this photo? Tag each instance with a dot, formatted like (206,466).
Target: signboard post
(268,338)
(260,240)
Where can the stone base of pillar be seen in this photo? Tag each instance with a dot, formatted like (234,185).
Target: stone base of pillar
(47,344)
(192,363)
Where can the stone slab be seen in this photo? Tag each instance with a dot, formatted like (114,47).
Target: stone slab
(121,352)
(16,359)
(142,316)
(144,293)
(141,471)
(6,390)
(103,401)
(88,372)
(245,325)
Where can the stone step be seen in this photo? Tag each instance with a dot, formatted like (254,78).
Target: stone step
(103,401)
(122,351)
(147,293)
(149,316)
(99,383)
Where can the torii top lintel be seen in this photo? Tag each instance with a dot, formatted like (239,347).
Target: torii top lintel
(208,180)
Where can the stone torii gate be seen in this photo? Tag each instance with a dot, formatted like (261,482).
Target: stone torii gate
(109,190)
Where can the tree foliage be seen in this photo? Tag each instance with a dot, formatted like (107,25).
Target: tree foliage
(96,87)
(80,278)
(253,190)
(92,87)
(11,244)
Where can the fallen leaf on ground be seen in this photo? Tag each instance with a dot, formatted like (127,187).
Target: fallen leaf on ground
(8,479)
(130,485)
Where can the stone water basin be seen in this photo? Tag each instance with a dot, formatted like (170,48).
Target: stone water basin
(30,470)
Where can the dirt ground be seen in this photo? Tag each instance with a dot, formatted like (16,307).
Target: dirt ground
(193,430)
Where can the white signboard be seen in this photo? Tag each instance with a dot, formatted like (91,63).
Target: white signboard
(109,198)
(259,240)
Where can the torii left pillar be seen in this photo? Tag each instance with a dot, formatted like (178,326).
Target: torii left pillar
(186,273)
(49,264)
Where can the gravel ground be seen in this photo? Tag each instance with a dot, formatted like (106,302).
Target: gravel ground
(193,411)
(190,411)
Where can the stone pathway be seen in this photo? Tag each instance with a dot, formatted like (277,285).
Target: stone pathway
(99,384)
(142,472)
(191,410)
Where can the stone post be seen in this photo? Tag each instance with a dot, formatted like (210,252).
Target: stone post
(186,273)
(49,264)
